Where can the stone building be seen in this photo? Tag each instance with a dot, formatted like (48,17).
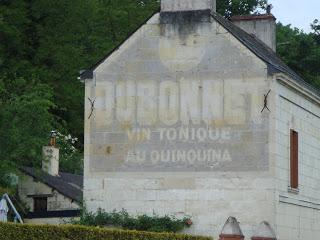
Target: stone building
(52,197)
(196,115)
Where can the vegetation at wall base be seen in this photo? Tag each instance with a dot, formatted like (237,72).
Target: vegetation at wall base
(123,220)
(70,232)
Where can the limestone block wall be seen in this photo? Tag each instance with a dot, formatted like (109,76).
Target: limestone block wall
(50,221)
(208,200)
(28,187)
(298,213)
(177,129)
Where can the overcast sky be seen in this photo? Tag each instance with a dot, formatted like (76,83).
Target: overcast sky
(298,13)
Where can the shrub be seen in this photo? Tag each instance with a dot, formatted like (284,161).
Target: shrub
(10,231)
(144,222)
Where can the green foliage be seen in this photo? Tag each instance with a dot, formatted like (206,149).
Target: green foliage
(301,51)
(123,220)
(25,121)
(53,40)
(43,46)
(47,232)
(229,8)
(71,159)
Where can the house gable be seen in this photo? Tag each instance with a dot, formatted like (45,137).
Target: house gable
(150,47)
(181,120)
(173,75)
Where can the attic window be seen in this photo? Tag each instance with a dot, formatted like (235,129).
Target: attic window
(40,204)
(294,159)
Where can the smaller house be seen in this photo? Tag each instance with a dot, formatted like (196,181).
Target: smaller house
(52,197)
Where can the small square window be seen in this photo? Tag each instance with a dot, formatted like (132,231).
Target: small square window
(40,204)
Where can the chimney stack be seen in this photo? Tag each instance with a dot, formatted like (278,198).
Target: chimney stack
(187,5)
(50,162)
(261,26)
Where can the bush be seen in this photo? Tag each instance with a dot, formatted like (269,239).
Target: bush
(144,222)
(69,232)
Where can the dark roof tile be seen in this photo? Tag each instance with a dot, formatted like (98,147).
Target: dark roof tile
(67,184)
(262,51)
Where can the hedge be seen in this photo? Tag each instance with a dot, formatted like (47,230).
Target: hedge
(9,231)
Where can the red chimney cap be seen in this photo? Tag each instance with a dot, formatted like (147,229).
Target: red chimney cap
(252,17)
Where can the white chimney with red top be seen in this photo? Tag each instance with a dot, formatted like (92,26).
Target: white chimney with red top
(50,162)
(261,26)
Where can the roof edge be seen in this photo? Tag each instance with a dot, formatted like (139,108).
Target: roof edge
(88,74)
(51,185)
(299,87)
(272,68)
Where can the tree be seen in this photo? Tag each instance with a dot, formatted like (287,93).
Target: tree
(50,41)
(53,40)
(301,51)
(24,124)
(229,8)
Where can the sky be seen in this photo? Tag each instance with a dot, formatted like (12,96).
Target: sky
(298,13)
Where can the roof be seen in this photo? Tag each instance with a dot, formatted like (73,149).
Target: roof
(88,74)
(260,49)
(69,185)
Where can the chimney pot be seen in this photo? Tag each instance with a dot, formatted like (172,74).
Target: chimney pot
(53,137)
(50,162)
(269,8)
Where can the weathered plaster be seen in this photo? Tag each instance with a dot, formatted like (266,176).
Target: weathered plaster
(162,80)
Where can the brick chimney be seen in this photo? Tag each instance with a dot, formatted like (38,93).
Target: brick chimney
(261,26)
(50,162)
(187,5)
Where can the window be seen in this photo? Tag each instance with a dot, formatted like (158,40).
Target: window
(40,204)
(294,159)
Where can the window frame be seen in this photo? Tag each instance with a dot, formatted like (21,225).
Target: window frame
(294,159)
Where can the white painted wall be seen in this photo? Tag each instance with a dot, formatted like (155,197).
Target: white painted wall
(209,197)
(297,214)
(245,190)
